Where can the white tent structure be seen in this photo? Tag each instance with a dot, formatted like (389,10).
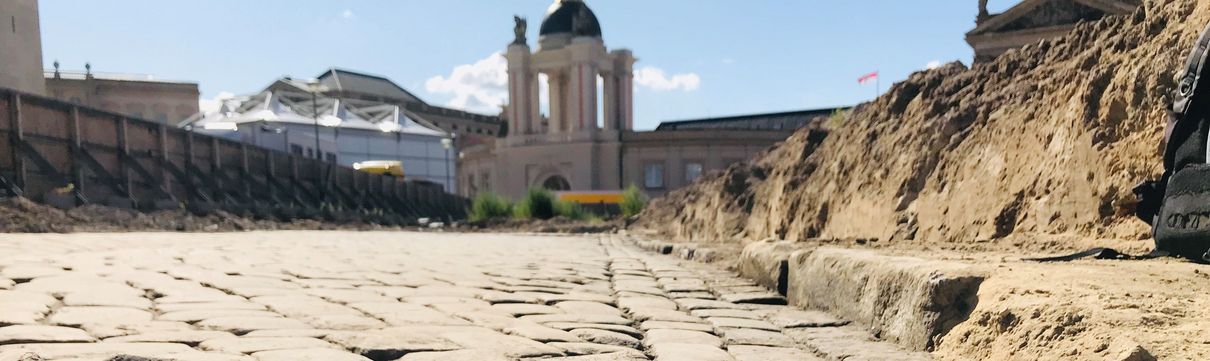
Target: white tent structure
(348,130)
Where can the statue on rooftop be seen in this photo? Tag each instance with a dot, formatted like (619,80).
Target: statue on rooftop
(519,29)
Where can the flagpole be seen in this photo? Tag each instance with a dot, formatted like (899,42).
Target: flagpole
(877,84)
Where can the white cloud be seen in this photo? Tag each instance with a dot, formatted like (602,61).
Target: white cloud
(348,15)
(655,79)
(933,65)
(207,106)
(479,87)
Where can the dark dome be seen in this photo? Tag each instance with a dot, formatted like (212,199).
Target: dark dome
(564,17)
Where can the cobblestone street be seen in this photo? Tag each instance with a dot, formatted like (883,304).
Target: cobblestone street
(336,296)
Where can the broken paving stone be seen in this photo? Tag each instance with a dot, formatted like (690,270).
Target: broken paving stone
(689,352)
(791,318)
(691,304)
(655,325)
(578,318)
(759,297)
(242,325)
(660,314)
(458,355)
(114,299)
(94,351)
(598,326)
(390,343)
(586,348)
(524,309)
(98,315)
(290,332)
(344,322)
(755,337)
(308,354)
(198,315)
(492,341)
(765,353)
(190,337)
(726,312)
(732,322)
(628,303)
(586,307)
(606,337)
(661,336)
(224,305)
(42,334)
(134,328)
(536,332)
(256,344)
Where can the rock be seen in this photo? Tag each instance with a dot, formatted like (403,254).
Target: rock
(907,300)
(585,348)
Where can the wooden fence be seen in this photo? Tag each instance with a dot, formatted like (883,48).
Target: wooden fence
(59,152)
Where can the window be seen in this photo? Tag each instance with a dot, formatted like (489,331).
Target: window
(296,149)
(692,171)
(330,157)
(653,175)
(556,183)
(310,153)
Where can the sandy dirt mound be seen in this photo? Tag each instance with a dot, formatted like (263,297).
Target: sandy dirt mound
(1031,151)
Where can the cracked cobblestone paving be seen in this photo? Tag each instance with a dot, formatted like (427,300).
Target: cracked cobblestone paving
(337,296)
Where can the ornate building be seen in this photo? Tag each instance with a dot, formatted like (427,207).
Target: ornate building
(587,142)
(1034,20)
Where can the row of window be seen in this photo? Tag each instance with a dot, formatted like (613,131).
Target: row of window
(653,174)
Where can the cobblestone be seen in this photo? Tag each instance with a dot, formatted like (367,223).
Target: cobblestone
(394,296)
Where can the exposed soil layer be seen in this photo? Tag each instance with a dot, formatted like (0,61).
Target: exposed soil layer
(1037,151)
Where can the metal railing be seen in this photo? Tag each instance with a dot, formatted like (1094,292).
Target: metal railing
(57,152)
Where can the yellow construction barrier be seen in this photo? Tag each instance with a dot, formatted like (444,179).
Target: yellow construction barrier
(385,167)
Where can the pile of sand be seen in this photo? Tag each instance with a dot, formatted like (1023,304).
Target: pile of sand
(1037,150)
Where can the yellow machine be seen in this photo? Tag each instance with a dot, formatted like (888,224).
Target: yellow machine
(385,167)
(591,197)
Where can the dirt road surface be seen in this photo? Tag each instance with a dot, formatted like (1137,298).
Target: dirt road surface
(312,295)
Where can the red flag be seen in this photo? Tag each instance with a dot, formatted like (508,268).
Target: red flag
(868,77)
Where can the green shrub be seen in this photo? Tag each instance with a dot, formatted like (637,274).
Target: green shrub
(538,203)
(633,201)
(571,210)
(836,120)
(488,205)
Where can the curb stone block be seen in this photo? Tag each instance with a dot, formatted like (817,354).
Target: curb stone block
(766,262)
(907,300)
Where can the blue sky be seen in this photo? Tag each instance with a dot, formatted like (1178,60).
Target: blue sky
(716,57)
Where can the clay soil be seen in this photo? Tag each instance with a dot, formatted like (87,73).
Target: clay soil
(1032,154)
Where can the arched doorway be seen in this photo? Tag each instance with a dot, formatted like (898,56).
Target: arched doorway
(556,183)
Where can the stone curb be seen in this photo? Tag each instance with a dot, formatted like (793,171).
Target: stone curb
(767,263)
(907,300)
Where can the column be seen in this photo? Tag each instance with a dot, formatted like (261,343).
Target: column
(610,99)
(557,98)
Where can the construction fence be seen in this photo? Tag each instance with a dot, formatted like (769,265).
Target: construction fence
(68,155)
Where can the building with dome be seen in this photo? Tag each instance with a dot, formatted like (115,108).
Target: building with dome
(586,140)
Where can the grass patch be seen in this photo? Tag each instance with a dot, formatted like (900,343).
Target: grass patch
(633,201)
(488,205)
